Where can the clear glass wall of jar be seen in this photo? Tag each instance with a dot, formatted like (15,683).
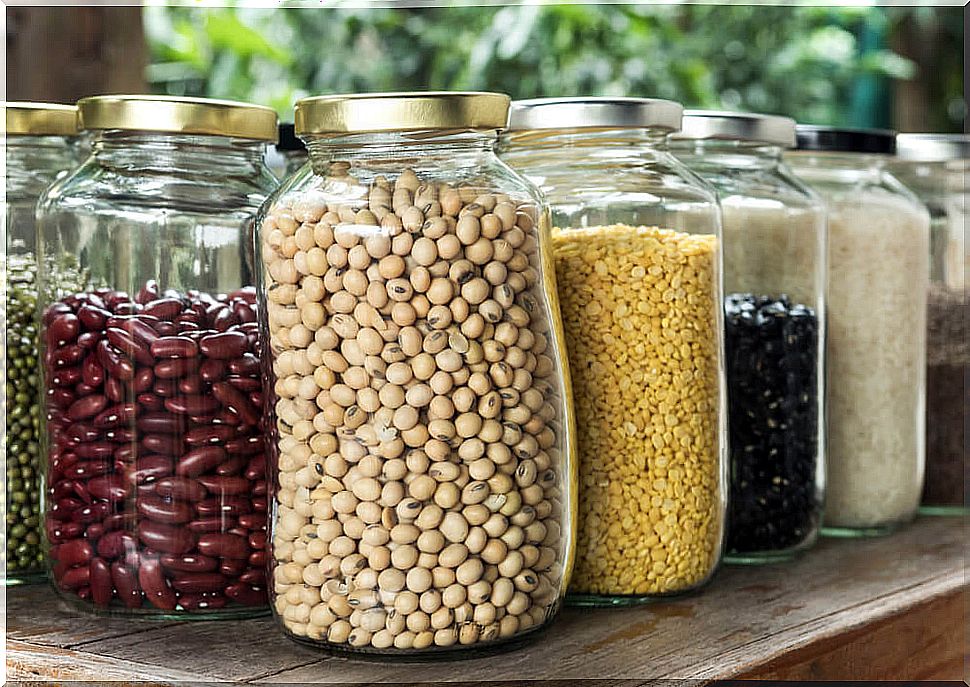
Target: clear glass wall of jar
(878,273)
(937,168)
(38,148)
(289,153)
(155,484)
(774,283)
(638,260)
(423,461)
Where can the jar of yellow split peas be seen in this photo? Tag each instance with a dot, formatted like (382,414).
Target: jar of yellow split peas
(637,250)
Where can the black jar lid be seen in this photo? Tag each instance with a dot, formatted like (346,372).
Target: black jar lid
(832,139)
(288,139)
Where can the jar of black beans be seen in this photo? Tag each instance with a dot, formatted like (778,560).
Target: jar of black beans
(772,370)
(38,149)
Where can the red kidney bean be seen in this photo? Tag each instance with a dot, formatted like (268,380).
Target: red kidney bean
(147,293)
(116,365)
(166,329)
(150,401)
(254,576)
(223,545)
(83,389)
(259,504)
(125,342)
(102,588)
(174,368)
(212,370)
(114,390)
(161,423)
(95,450)
(116,543)
(174,347)
(144,490)
(244,384)
(153,583)
(227,505)
(190,385)
(247,446)
(239,532)
(224,319)
(166,388)
(226,417)
(108,488)
(86,469)
(144,380)
(167,444)
(233,399)
(232,567)
(116,415)
(92,513)
(67,356)
(257,540)
(223,346)
(213,434)
(164,308)
(125,580)
(225,486)
(202,602)
(181,488)
(200,460)
(66,377)
(124,454)
(82,491)
(60,398)
(247,365)
(166,538)
(63,328)
(140,329)
(118,521)
(59,532)
(168,512)
(92,317)
(88,340)
(197,583)
(93,532)
(253,521)
(258,558)
(72,553)
(122,435)
(244,312)
(203,525)
(246,594)
(75,577)
(192,405)
(63,490)
(80,431)
(232,466)
(151,467)
(190,563)
(91,371)
(53,311)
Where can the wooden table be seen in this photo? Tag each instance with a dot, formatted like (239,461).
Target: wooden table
(890,608)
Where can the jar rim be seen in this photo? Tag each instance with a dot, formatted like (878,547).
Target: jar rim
(933,147)
(178,115)
(595,113)
(40,119)
(400,111)
(746,127)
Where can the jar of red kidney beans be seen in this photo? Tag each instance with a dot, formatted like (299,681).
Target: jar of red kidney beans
(155,483)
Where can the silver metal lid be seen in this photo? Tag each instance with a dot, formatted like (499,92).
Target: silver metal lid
(594,113)
(738,126)
(933,147)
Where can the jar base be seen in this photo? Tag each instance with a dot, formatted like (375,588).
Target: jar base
(859,532)
(760,558)
(584,600)
(17,579)
(945,511)
(150,613)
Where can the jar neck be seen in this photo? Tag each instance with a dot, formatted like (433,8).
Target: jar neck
(127,151)
(861,163)
(565,142)
(738,155)
(415,149)
(33,162)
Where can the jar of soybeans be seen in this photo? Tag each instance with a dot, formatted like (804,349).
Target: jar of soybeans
(638,257)
(156,490)
(422,467)
(937,168)
(38,149)
(878,276)
(774,282)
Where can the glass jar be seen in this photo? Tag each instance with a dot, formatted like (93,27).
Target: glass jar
(937,168)
(38,148)
(289,153)
(155,485)
(638,260)
(878,273)
(774,281)
(422,463)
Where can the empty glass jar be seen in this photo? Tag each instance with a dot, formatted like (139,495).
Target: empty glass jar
(156,489)
(638,258)
(774,281)
(878,273)
(423,437)
(937,168)
(39,147)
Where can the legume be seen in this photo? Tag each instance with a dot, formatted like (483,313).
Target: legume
(23,551)
(639,310)
(156,479)
(771,352)
(419,443)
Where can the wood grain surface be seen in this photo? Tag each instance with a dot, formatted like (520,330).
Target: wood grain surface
(890,608)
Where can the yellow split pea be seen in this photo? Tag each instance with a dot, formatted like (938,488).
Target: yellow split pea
(639,309)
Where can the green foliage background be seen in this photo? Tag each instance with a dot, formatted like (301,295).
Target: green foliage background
(823,65)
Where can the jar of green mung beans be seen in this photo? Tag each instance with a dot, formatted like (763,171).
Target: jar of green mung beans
(39,148)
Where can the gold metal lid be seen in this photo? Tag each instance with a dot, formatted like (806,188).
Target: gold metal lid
(375,112)
(41,119)
(168,114)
